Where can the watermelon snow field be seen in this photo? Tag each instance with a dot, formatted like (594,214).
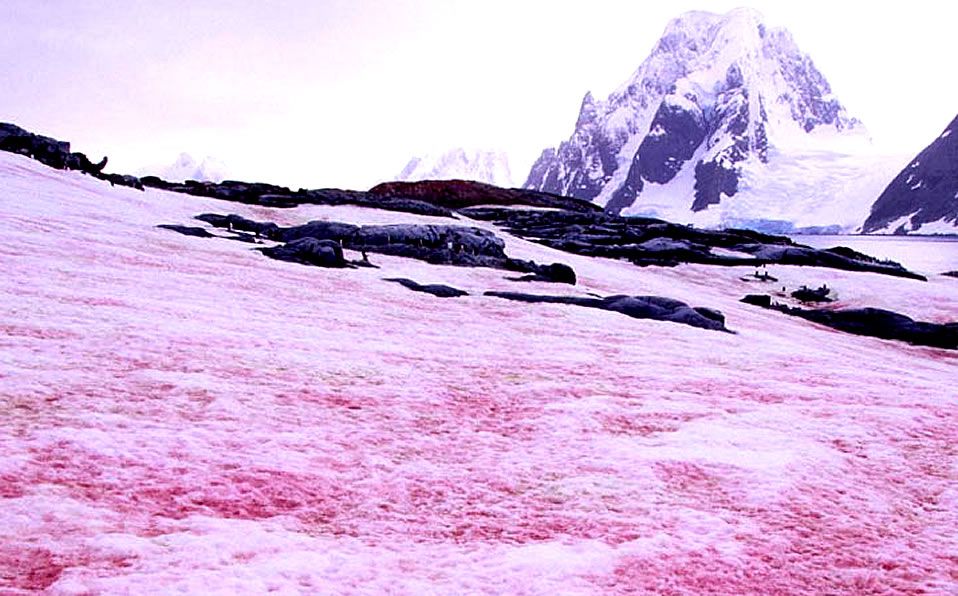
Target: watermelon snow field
(186,415)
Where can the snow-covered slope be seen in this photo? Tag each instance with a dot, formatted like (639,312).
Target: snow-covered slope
(923,198)
(187,168)
(491,167)
(716,127)
(182,414)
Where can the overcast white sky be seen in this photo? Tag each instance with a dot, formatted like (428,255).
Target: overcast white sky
(343,92)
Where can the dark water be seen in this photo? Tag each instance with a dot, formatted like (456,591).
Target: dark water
(922,254)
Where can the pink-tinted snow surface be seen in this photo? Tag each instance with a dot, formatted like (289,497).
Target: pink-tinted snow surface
(184,414)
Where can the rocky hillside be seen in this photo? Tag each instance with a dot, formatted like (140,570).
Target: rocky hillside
(923,198)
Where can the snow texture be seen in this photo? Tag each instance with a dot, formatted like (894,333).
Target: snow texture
(183,414)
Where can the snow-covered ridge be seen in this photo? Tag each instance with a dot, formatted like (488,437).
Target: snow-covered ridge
(491,167)
(187,168)
(712,110)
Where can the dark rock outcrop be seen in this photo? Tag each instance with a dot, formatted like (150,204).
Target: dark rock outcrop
(554,273)
(57,154)
(925,191)
(637,307)
(122,180)
(435,244)
(872,322)
(237,222)
(647,241)
(309,251)
(763,300)
(187,230)
(437,198)
(805,294)
(950,273)
(438,290)
(461,194)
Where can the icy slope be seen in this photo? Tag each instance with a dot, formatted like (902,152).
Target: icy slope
(709,127)
(186,414)
(491,167)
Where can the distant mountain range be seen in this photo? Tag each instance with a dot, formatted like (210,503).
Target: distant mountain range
(491,167)
(726,123)
(187,168)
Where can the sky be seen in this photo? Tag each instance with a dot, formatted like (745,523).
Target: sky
(342,93)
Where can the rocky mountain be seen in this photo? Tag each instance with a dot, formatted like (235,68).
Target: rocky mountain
(924,196)
(706,122)
(187,168)
(491,167)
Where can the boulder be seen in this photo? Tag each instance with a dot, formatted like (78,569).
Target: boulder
(309,251)
(763,300)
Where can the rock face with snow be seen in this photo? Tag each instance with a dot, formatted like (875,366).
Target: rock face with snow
(924,196)
(712,108)
(491,167)
(187,168)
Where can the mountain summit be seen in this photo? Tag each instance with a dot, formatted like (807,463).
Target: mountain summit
(187,168)
(706,116)
(491,167)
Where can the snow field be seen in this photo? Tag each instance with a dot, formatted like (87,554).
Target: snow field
(184,414)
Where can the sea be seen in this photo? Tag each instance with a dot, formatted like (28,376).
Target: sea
(928,255)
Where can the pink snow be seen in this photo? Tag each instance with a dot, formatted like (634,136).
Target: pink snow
(186,414)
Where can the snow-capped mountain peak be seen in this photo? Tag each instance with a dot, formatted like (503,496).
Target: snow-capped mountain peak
(719,97)
(491,167)
(185,167)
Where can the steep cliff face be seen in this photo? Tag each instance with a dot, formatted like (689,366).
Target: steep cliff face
(923,198)
(719,94)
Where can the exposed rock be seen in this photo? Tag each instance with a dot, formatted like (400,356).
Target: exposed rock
(435,289)
(187,230)
(237,222)
(763,300)
(638,307)
(435,244)
(57,154)
(647,241)
(874,322)
(812,294)
(554,273)
(461,194)
(321,230)
(703,103)
(926,191)
(309,251)
(950,273)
